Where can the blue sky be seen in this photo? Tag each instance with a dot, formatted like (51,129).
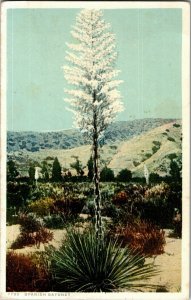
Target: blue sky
(149,56)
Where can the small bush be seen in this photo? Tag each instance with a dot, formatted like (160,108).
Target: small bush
(32,232)
(34,238)
(23,273)
(87,264)
(30,223)
(53,221)
(172,156)
(71,204)
(177,224)
(136,163)
(170,139)
(147,155)
(176,125)
(120,198)
(143,237)
(41,207)
(155,149)
(158,192)
(157,143)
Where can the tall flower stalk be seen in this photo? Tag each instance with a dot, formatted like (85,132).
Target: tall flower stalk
(94,98)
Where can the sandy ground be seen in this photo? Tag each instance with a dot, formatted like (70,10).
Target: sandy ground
(168,263)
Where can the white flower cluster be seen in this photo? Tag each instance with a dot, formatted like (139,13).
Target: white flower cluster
(95,97)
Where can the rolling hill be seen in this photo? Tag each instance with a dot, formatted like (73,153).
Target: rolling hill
(67,139)
(154,147)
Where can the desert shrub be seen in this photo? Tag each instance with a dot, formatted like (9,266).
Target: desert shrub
(41,207)
(72,204)
(157,143)
(155,149)
(33,238)
(156,146)
(54,221)
(136,163)
(155,204)
(86,264)
(128,201)
(120,198)
(160,202)
(24,273)
(172,156)
(32,232)
(30,222)
(177,224)
(170,139)
(141,236)
(176,125)
(46,190)
(158,192)
(12,215)
(90,208)
(147,155)
(17,194)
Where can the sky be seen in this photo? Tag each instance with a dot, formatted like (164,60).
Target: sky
(148,43)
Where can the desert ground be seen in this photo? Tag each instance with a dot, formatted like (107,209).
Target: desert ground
(168,263)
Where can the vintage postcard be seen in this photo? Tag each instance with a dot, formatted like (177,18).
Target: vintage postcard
(95,144)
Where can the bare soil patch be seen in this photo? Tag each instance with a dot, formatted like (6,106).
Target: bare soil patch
(168,263)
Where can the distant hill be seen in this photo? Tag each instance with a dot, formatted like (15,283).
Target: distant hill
(67,139)
(155,148)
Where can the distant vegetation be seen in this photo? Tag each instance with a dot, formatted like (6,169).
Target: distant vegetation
(66,139)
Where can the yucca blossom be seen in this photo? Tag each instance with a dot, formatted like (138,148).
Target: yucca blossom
(146,174)
(93,95)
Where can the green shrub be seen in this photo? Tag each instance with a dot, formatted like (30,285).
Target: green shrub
(106,174)
(54,221)
(155,149)
(157,143)
(136,163)
(147,155)
(170,139)
(12,215)
(86,264)
(17,194)
(176,125)
(172,156)
(32,232)
(177,224)
(41,207)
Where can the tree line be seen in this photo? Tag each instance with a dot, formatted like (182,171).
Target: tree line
(56,174)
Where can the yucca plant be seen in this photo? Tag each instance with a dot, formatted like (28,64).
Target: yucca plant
(87,264)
